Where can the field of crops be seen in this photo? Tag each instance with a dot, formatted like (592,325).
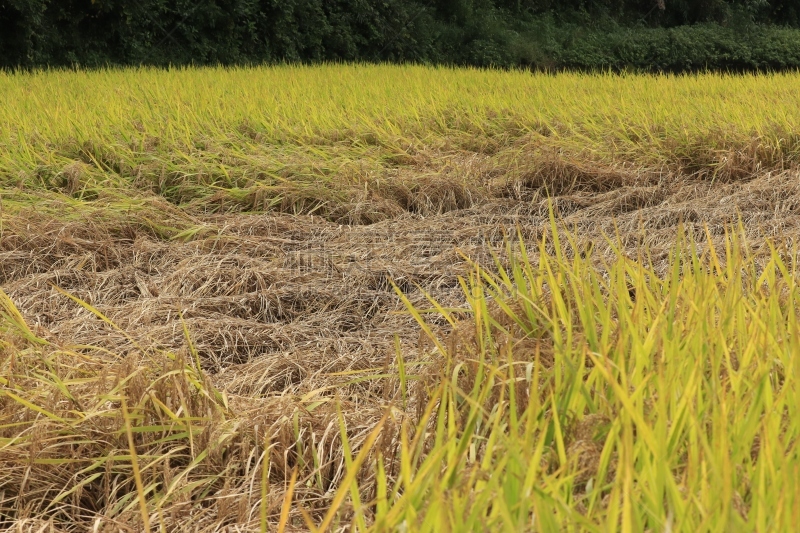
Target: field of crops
(398,299)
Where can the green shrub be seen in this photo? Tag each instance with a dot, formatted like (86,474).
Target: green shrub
(584,35)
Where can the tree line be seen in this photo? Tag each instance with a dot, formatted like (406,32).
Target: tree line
(666,35)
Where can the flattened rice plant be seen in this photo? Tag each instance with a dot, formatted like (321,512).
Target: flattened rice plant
(581,395)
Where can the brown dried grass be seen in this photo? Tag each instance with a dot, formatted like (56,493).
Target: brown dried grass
(288,317)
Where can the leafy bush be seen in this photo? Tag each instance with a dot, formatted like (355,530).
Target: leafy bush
(686,48)
(576,34)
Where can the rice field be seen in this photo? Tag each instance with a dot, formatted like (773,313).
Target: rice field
(381,298)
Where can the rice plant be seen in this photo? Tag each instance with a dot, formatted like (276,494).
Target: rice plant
(580,395)
(376,298)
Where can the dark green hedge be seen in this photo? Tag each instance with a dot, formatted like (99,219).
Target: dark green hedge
(735,35)
(679,49)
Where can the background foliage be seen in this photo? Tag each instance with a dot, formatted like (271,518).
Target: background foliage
(672,35)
